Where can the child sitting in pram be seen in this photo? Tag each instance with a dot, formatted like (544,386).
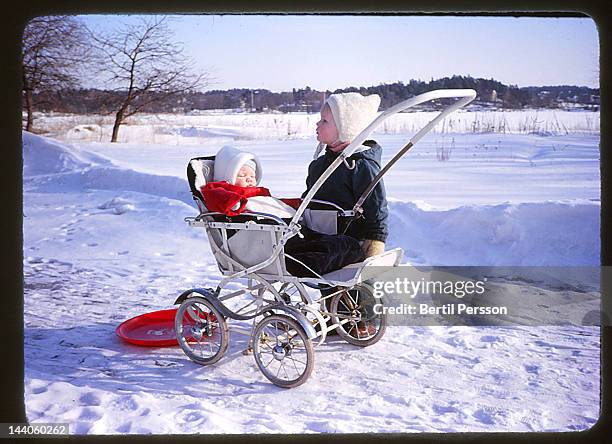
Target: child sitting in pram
(343,117)
(235,190)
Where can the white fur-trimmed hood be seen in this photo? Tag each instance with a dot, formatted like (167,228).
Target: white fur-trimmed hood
(352,113)
(229,160)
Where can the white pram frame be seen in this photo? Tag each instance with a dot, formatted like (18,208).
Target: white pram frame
(284,313)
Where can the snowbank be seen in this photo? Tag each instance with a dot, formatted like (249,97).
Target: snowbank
(42,155)
(51,166)
(527,234)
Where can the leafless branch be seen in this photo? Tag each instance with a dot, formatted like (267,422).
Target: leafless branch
(54,52)
(144,62)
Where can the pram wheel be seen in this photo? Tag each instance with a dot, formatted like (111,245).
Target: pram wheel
(283,351)
(354,310)
(201,331)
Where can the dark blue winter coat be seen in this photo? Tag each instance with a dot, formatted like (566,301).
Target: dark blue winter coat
(345,186)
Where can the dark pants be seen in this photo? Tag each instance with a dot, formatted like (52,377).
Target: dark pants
(322,253)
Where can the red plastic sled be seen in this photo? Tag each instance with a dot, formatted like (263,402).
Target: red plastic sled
(155,329)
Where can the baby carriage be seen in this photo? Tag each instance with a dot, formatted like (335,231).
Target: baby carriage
(282,318)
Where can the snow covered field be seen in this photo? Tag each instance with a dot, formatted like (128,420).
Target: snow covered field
(104,240)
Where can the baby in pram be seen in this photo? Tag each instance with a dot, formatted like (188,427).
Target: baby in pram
(235,190)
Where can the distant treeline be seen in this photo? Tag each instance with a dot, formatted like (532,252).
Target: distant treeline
(491,93)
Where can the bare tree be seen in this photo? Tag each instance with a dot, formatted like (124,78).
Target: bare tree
(54,50)
(144,63)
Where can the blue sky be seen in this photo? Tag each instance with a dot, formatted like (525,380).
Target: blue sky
(328,52)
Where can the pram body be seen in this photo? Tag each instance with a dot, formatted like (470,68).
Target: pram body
(284,313)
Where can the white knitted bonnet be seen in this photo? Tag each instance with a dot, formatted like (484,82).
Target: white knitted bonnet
(352,113)
(228,162)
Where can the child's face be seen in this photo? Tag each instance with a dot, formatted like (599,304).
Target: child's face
(246,177)
(327,132)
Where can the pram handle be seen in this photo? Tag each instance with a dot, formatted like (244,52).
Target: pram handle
(341,210)
(465,96)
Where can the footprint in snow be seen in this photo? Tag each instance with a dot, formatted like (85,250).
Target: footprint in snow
(317,426)
(161,363)
(127,404)
(39,390)
(491,339)
(117,206)
(484,417)
(90,399)
(441,410)
(125,427)
(81,428)
(533,369)
(89,415)
(35,260)
(193,417)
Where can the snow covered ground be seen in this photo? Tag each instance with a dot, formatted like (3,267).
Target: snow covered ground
(104,240)
(196,129)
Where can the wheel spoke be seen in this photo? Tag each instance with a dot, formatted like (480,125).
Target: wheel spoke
(270,362)
(297,360)
(278,371)
(343,302)
(200,346)
(345,316)
(353,304)
(297,344)
(284,368)
(196,316)
(296,369)
(353,325)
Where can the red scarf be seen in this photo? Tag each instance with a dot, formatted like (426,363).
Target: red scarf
(223,196)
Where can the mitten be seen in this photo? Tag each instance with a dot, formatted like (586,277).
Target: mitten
(372,247)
